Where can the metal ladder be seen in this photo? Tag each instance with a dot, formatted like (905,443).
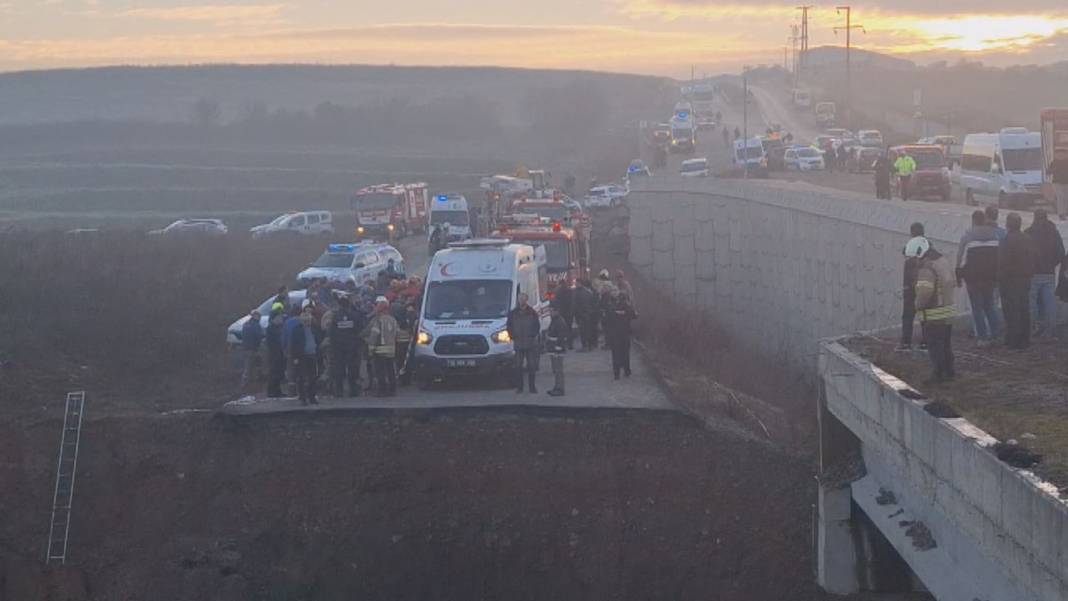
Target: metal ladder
(66,467)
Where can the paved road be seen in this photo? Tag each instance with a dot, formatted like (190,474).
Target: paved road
(774,109)
(589,385)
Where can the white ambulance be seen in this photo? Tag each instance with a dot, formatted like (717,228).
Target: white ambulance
(471,287)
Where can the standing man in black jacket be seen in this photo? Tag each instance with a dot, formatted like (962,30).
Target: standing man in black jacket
(617,317)
(1016,262)
(587,314)
(524,328)
(977,267)
(1049,249)
(565,303)
(345,329)
(556,344)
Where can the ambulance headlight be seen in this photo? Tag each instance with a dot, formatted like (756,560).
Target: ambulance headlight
(360,230)
(424,338)
(501,337)
(390,227)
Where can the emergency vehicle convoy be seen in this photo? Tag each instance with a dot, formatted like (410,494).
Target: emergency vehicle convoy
(471,287)
(566,252)
(388,211)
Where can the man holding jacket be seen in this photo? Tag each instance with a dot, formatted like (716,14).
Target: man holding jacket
(524,328)
(1049,249)
(934,304)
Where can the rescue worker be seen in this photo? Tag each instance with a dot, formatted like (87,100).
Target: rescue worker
(345,330)
(617,320)
(382,344)
(977,267)
(1058,171)
(326,351)
(586,315)
(283,297)
(904,166)
(556,340)
(276,360)
(302,353)
(1049,249)
(1016,265)
(251,338)
(882,168)
(404,330)
(908,310)
(524,327)
(623,285)
(934,303)
(291,324)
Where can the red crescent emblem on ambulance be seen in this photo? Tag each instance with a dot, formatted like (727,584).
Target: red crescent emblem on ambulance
(445,271)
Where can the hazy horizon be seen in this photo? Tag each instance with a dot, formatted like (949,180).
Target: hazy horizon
(647,37)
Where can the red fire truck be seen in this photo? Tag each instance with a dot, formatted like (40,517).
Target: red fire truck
(1054,136)
(389,211)
(565,252)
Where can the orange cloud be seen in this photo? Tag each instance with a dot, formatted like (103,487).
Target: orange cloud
(214,13)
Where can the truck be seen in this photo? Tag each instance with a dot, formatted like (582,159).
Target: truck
(802,98)
(389,211)
(825,113)
(567,253)
(1054,131)
(704,100)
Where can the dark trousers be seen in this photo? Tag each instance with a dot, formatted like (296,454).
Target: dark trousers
(940,348)
(882,189)
(386,374)
(526,361)
(306,375)
(620,355)
(588,332)
(1016,304)
(570,321)
(557,361)
(904,181)
(345,366)
(276,372)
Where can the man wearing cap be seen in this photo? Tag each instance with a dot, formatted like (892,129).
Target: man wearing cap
(935,288)
(382,344)
(345,329)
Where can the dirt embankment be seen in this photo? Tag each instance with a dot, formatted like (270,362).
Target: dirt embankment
(613,505)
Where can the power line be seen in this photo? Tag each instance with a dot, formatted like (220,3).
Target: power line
(848,28)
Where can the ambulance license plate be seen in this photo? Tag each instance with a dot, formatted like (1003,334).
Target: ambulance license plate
(460,362)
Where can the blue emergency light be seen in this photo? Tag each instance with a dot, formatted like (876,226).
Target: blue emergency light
(340,248)
(633,169)
(443,197)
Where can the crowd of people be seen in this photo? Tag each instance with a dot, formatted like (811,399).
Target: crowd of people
(335,334)
(1010,266)
(347,339)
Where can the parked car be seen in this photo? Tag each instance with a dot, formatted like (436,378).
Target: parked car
(862,159)
(358,263)
(193,227)
(804,158)
(870,137)
(600,197)
(233,333)
(694,168)
(306,223)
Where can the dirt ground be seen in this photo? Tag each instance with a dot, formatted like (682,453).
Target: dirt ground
(1017,395)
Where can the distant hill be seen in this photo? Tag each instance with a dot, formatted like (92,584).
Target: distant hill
(168,94)
(835,56)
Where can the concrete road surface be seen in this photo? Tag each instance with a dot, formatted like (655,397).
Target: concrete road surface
(589,385)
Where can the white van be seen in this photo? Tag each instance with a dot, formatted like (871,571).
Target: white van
(307,223)
(1005,167)
(470,289)
(451,209)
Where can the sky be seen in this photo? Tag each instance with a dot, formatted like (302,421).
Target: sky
(661,37)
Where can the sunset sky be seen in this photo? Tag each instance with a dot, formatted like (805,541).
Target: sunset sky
(639,36)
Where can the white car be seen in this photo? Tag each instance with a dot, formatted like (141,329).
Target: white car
(307,223)
(233,333)
(803,158)
(193,227)
(694,168)
(602,197)
(358,263)
(870,137)
(706,122)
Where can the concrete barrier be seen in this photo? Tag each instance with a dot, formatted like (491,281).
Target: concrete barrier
(783,264)
(996,533)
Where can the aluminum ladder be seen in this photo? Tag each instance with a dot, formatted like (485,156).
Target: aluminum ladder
(66,466)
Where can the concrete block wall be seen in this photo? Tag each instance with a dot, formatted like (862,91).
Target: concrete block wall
(1001,533)
(782,264)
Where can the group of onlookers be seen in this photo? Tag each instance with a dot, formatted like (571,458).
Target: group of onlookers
(1013,266)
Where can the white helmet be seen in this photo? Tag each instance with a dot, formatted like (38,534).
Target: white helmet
(917,247)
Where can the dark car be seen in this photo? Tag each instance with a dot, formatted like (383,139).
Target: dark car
(931,178)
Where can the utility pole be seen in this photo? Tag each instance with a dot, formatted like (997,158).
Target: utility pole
(786,58)
(745,123)
(849,27)
(794,37)
(804,36)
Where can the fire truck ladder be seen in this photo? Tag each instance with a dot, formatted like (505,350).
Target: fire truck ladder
(67,465)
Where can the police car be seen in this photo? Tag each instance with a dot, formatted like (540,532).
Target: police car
(358,263)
